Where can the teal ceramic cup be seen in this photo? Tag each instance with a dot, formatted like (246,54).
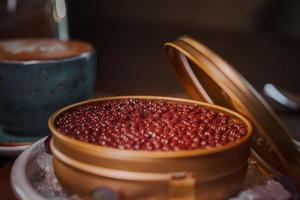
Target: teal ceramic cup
(37,77)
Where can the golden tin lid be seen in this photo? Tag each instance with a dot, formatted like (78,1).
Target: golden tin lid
(207,77)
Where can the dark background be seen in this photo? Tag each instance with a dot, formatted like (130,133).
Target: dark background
(259,37)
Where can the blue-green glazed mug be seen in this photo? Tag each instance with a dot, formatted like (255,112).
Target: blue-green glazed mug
(39,76)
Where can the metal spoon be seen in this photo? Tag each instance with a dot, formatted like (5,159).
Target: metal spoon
(283,97)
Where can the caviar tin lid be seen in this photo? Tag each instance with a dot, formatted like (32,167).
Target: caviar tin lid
(207,77)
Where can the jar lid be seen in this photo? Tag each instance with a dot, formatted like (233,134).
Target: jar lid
(207,77)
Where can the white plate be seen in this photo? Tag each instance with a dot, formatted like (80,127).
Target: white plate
(32,175)
(33,178)
(20,184)
(12,151)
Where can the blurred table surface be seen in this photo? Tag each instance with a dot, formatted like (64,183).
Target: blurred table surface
(131,62)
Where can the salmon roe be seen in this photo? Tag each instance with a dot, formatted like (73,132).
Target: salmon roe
(151,125)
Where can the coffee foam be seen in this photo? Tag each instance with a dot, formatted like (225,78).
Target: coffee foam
(14,48)
(41,49)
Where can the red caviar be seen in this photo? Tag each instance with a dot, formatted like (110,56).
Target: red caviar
(152,125)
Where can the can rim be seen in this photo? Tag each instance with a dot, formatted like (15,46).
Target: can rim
(109,151)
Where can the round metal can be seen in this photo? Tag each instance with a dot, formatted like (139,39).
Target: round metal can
(215,173)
